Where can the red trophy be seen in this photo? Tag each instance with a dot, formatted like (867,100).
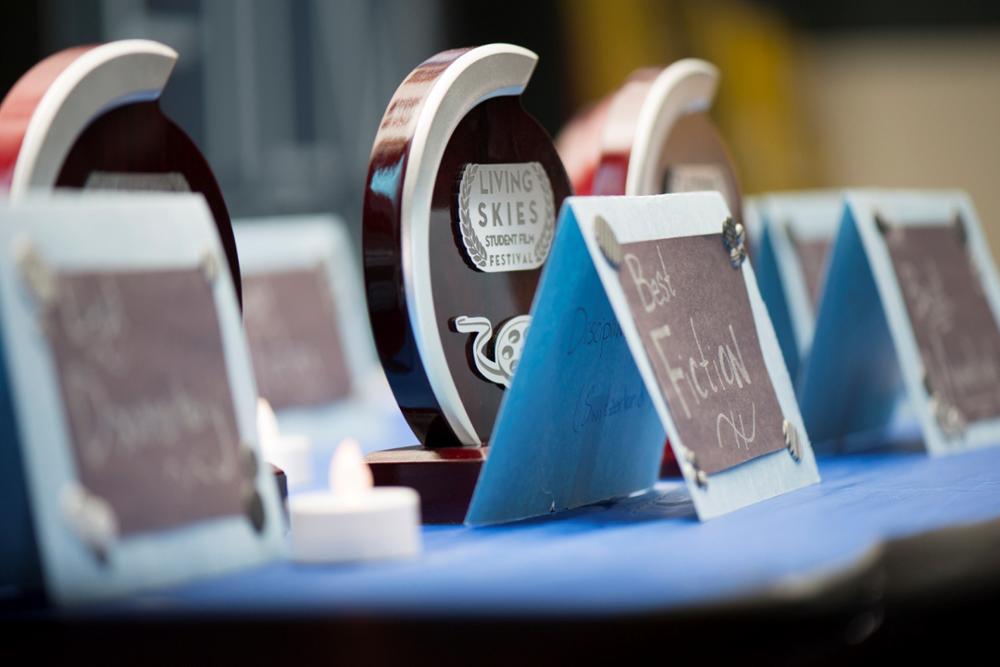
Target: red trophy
(89,117)
(652,136)
(579,144)
(459,215)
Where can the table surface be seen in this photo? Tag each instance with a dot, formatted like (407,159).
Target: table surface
(645,554)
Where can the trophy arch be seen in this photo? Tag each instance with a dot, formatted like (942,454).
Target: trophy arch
(477,75)
(687,86)
(69,90)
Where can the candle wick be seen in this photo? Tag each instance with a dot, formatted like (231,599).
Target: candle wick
(350,476)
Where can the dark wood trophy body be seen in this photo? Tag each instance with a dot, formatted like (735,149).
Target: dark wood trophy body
(459,215)
(89,118)
(656,137)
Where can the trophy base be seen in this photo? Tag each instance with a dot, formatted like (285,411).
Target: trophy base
(445,477)
(668,464)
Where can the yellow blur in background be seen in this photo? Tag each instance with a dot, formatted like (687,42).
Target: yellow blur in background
(865,108)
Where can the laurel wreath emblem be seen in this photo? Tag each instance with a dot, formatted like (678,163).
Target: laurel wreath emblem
(473,246)
(549,224)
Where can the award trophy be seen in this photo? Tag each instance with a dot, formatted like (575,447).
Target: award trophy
(579,144)
(89,117)
(658,137)
(459,216)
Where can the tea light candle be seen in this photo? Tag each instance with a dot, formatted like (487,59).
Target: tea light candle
(291,453)
(354,521)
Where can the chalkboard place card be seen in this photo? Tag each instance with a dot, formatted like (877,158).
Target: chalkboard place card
(656,137)
(653,326)
(304,312)
(128,403)
(307,326)
(911,308)
(295,344)
(797,233)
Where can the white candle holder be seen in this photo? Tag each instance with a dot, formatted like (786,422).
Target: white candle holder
(354,521)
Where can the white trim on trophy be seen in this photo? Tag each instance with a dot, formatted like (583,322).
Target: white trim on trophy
(482,73)
(687,86)
(104,77)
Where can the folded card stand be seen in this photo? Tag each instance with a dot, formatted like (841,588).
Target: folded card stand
(129,454)
(657,137)
(910,311)
(798,229)
(647,323)
(297,328)
(311,345)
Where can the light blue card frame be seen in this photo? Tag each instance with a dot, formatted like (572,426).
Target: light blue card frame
(105,232)
(543,456)
(300,242)
(811,215)
(370,414)
(865,357)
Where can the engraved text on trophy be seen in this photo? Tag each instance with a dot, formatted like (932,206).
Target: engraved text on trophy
(506,216)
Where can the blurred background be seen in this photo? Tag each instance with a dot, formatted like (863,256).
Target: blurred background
(284,96)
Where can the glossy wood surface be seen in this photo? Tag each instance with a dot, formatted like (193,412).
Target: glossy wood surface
(139,138)
(496,131)
(445,477)
(382,254)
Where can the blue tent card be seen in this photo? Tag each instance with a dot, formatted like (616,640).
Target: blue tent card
(304,310)
(648,324)
(310,341)
(911,309)
(128,402)
(798,230)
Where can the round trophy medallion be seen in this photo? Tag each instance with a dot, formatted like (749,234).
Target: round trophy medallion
(89,118)
(579,144)
(459,216)
(655,137)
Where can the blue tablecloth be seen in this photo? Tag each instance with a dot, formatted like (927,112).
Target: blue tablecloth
(643,554)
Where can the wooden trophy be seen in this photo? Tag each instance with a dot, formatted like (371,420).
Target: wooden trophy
(459,215)
(655,137)
(89,117)
(658,137)
(579,144)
